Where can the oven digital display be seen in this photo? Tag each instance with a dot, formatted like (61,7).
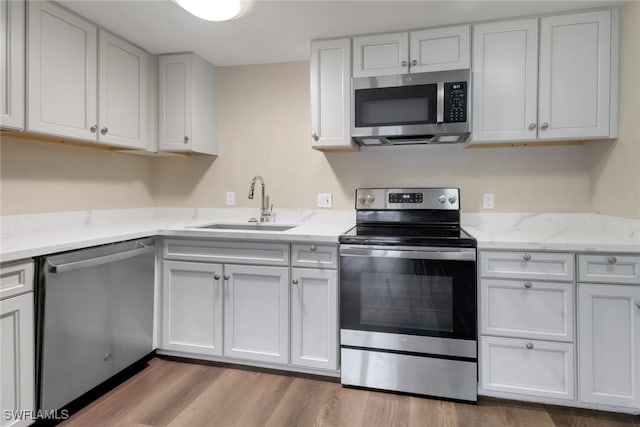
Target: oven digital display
(405,197)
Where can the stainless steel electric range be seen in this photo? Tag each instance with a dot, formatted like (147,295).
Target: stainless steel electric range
(408,294)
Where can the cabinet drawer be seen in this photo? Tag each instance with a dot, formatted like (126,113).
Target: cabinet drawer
(535,368)
(314,256)
(527,265)
(609,268)
(527,309)
(225,251)
(16,278)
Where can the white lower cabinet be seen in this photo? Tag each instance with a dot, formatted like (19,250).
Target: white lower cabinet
(17,350)
(609,344)
(192,307)
(314,318)
(256,313)
(535,368)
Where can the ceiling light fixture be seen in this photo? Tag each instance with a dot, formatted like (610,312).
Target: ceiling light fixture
(214,10)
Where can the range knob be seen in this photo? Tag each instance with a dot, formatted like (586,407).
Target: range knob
(453,199)
(370,198)
(442,198)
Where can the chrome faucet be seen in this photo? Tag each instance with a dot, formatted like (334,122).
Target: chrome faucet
(265,214)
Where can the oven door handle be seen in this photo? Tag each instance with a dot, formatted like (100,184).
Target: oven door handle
(462,254)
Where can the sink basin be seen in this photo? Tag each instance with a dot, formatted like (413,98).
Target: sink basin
(252,226)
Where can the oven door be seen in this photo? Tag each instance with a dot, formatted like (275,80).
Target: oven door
(410,291)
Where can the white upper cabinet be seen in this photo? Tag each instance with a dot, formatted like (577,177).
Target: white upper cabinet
(505,83)
(122,92)
(331,95)
(12,52)
(188,106)
(575,75)
(439,49)
(434,49)
(381,55)
(66,89)
(565,88)
(62,72)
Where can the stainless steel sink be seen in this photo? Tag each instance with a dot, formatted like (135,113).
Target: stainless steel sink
(252,227)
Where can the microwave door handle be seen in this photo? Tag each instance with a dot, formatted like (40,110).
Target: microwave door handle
(440,103)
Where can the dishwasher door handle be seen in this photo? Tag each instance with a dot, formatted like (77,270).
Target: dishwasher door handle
(105,259)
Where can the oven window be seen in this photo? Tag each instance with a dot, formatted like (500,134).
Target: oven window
(396,106)
(407,301)
(408,296)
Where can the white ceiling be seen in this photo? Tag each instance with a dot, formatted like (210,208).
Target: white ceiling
(280,31)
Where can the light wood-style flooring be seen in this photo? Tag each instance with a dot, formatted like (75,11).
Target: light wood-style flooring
(170,393)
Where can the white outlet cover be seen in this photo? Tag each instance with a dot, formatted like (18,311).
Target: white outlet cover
(487,201)
(325,200)
(231,198)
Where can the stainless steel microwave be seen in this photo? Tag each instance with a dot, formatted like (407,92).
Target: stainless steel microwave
(421,108)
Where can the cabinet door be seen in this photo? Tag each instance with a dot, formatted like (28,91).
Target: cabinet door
(536,368)
(192,307)
(527,309)
(17,356)
(575,75)
(609,344)
(331,94)
(314,318)
(439,49)
(12,53)
(505,81)
(175,101)
(381,55)
(62,72)
(256,316)
(122,92)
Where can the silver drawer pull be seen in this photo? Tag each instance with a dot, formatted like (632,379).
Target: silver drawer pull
(530,346)
(313,247)
(294,281)
(107,357)
(526,257)
(528,285)
(216,276)
(227,277)
(638,305)
(612,260)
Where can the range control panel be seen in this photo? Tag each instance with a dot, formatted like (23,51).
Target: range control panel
(407,198)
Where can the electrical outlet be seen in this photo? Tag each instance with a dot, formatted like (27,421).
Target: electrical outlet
(325,200)
(487,200)
(231,198)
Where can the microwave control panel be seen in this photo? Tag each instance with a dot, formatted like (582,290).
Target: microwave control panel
(455,106)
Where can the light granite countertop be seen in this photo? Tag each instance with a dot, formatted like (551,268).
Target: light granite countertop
(26,236)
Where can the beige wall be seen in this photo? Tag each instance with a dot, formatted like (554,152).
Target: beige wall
(265,128)
(45,177)
(615,165)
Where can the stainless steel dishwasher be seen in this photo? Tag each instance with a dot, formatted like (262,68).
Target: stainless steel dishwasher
(94,317)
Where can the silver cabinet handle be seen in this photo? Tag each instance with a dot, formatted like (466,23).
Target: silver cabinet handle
(216,276)
(227,277)
(530,345)
(186,139)
(532,126)
(403,64)
(414,62)
(544,126)
(313,248)
(294,281)
(93,129)
(638,305)
(315,136)
(108,357)
(526,257)
(104,130)
(528,285)
(612,260)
